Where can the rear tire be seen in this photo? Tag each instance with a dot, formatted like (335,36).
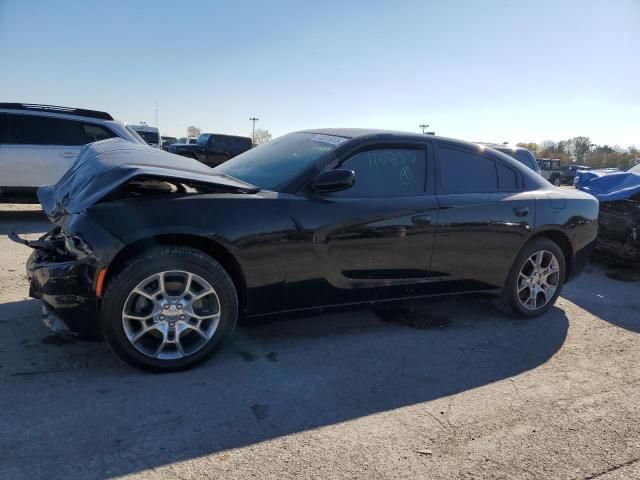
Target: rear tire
(169,309)
(530,290)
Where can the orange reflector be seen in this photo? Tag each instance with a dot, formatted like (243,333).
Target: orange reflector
(100,282)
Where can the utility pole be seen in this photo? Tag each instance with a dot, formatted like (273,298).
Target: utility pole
(423,126)
(253,135)
(156,113)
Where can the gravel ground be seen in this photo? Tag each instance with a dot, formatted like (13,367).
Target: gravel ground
(450,390)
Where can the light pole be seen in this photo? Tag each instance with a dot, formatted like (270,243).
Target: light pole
(253,135)
(423,126)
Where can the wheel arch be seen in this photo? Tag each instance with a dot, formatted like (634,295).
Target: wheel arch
(561,239)
(206,245)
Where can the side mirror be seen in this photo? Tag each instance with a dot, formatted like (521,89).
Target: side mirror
(333,180)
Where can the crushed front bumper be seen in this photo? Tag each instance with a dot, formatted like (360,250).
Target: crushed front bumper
(66,287)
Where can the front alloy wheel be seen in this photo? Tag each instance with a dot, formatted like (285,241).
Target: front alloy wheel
(171,314)
(170,308)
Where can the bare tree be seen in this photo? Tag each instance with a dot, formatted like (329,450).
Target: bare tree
(193,131)
(262,136)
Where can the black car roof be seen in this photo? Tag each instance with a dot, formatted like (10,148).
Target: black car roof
(382,134)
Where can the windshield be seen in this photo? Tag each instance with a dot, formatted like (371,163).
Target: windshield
(149,137)
(635,168)
(279,160)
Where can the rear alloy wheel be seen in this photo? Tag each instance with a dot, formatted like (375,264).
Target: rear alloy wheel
(169,309)
(538,280)
(535,280)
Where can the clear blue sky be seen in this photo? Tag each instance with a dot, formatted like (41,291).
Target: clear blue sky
(478,70)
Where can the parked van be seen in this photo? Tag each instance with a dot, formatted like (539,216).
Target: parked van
(151,135)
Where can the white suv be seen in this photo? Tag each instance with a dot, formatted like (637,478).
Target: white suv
(38,143)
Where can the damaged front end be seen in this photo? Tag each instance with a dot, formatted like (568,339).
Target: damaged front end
(65,274)
(619,231)
(69,264)
(619,219)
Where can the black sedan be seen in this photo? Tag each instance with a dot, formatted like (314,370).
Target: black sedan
(161,255)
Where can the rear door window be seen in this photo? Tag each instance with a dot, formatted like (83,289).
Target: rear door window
(35,130)
(466,172)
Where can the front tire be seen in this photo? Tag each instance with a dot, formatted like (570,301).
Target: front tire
(535,279)
(169,309)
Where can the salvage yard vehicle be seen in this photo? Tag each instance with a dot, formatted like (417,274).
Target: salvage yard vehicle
(151,135)
(524,156)
(551,170)
(161,255)
(38,143)
(212,149)
(569,173)
(619,220)
(166,141)
(187,140)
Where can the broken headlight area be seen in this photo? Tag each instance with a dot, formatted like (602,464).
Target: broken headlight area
(77,247)
(56,246)
(50,246)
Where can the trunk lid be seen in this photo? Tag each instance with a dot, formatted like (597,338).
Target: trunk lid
(104,166)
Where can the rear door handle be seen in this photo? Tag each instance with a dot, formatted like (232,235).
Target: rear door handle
(521,211)
(67,155)
(421,220)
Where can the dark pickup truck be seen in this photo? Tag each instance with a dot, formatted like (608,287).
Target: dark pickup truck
(212,149)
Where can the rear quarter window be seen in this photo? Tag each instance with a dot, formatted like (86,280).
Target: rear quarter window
(507,178)
(95,133)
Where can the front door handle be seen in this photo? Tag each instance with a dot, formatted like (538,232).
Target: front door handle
(421,220)
(521,211)
(67,155)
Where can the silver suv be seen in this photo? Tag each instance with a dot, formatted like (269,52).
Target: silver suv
(38,143)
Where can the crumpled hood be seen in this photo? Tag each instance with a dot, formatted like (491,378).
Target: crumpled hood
(608,187)
(102,167)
